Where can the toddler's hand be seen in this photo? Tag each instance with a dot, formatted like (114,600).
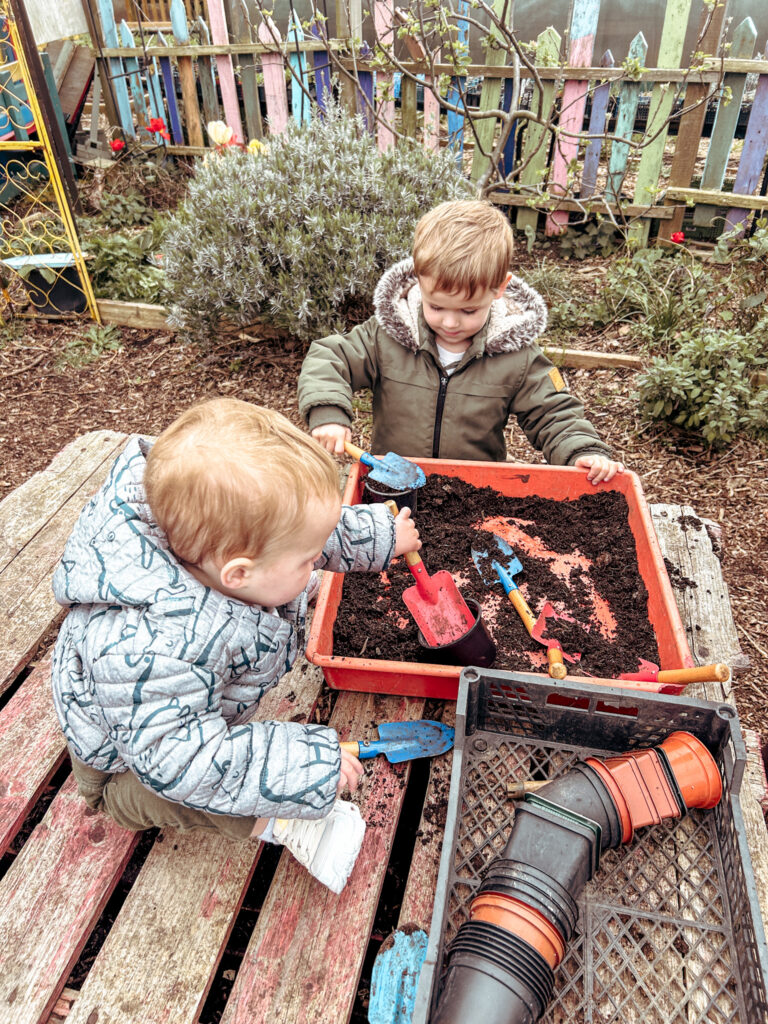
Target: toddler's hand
(332,437)
(600,468)
(406,534)
(351,770)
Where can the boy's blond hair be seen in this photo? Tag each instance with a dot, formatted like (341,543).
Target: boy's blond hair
(229,479)
(463,245)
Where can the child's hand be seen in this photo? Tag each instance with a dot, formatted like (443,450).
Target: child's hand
(332,437)
(351,770)
(406,534)
(600,468)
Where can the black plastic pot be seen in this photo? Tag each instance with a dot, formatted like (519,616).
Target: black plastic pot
(493,977)
(535,887)
(475,647)
(65,295)
(374,494)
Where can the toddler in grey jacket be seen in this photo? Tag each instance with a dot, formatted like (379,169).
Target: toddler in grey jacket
(186,579)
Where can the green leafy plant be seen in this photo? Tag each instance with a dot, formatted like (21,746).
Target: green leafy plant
(657,294)
(119,263)
(748,279)
(591,239)
(300,231)
(124,210)
(86,348)
(706,385)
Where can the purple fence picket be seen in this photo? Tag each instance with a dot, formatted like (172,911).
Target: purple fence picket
(752,155)
(600,99)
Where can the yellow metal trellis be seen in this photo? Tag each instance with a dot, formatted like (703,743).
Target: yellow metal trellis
(39,247)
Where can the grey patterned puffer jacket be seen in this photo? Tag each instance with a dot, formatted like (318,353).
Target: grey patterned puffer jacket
(156,673)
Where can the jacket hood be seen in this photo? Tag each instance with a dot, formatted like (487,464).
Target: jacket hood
(515,320)
(116,529)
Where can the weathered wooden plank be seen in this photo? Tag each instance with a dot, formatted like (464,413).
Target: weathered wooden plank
(383,22)
(220,37)
(629,97)
(752,155)
(50,899)
(574,99)
(752,798)
(662,101)
(742,203)
(726,122)
(116,70)
(186,75)
(297,61)
(27,605)
(490,94)
(701,594)
(28,508)
(408,107)
(536,143)
(134,80)
(600,99)
(419,895)
(211,108)
(249,70)
(31,749)
(274,79)
(596,205)
(296,970)
(689,131)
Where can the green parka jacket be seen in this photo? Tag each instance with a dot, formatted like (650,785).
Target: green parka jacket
(421,411)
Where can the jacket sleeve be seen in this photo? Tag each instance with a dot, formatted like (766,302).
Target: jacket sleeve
(173,736)
(364,540)
(334,368)
(552,418)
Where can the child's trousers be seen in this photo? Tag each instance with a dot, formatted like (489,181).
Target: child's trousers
(131,805)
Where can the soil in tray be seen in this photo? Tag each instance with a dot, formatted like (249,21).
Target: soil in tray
(578,555)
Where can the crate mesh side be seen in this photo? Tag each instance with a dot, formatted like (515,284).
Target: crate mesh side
(664,933)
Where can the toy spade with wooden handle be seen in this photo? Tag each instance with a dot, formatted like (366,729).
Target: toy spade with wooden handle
(403,741)
(504,566)
(391,470)
(439,610)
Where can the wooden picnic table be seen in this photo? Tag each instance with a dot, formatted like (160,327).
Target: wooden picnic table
(160,957)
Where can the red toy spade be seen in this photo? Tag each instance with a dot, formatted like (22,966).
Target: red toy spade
(439,610)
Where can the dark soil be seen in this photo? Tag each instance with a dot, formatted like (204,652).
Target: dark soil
(592,532)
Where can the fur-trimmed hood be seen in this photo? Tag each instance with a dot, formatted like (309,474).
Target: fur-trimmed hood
(516,319)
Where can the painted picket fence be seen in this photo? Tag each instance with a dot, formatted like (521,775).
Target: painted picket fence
(205,69)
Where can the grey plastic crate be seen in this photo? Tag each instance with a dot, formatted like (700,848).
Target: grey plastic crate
(670,930)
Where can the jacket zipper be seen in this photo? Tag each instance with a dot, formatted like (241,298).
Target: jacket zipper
(439,415)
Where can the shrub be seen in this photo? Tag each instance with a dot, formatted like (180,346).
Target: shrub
(300,231)
(118,263)
(705,385)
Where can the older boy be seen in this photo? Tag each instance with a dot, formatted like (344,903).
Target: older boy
(185,577)
(449,354)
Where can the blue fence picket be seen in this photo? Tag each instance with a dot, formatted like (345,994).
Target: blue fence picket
(300,106)
(116,70)
(170,94)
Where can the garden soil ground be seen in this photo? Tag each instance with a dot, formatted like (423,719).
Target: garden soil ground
(46,403)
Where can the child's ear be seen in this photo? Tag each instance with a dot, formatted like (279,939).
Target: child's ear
(236,572)
(503,288)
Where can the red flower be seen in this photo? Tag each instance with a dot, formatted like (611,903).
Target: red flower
(677,237)
(165,134)
(156,124)
(116,145)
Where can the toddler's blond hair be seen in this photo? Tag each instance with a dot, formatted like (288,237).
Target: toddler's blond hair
(463,245)
(230,479)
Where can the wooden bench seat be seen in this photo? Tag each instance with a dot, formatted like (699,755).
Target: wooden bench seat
(306,952)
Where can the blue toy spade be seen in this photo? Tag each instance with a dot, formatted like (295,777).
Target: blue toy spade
(403,741)
(498,563)
(391,470)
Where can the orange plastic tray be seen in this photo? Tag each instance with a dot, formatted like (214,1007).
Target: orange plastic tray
(442,681)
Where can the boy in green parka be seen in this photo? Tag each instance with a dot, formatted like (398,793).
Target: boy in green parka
(449,354)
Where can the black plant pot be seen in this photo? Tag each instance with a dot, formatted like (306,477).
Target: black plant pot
(64,295)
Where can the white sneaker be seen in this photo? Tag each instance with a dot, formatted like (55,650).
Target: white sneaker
(327,847)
